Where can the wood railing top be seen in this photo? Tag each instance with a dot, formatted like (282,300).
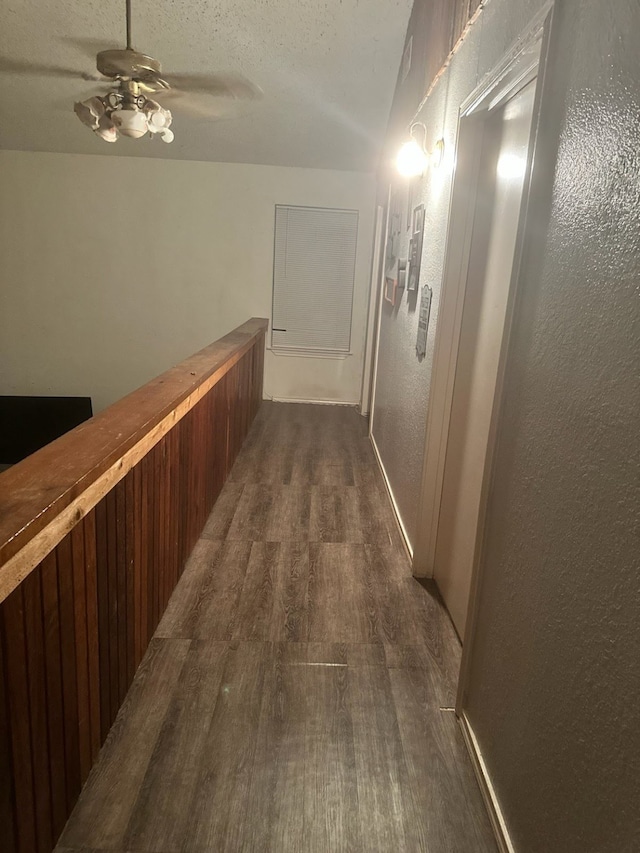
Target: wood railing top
(37,490)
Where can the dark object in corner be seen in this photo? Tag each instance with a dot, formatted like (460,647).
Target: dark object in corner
(28,423)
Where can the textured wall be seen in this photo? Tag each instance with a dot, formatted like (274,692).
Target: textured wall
(402,391)
(114,269)
(555,686)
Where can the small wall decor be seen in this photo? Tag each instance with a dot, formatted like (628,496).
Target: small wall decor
(423,321)
(410,183)
(403,265)
(390,288)
(415,247)
(394,231)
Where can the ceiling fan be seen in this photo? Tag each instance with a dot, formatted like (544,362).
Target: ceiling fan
(127,108)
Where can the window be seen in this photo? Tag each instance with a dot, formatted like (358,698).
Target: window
(313,275)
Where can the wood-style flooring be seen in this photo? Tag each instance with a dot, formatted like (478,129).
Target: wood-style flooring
(293,696)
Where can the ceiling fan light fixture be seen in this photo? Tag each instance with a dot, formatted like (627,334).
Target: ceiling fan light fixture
(127,109)
(90,111)
(106,130)
(131,123)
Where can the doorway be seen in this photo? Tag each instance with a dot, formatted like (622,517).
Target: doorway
(495,133)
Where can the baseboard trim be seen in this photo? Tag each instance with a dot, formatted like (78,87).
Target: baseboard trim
(313,402)
(396,512)
(505,845)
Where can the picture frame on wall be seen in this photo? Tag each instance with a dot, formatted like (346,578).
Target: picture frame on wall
(415,247)
(394,231)
(390,289)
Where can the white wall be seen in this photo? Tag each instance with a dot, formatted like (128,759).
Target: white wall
(114,269)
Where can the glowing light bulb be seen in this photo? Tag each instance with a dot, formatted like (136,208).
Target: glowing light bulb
(130,123)
(412,159)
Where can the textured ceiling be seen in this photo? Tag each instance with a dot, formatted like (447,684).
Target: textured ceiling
(327,69)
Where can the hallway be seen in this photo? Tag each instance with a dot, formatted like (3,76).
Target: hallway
(292,697)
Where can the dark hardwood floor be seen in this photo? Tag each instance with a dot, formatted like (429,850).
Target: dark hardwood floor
(291,699)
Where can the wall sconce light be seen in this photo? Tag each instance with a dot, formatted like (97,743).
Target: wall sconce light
(413,157)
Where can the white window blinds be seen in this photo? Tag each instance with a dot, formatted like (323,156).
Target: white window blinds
(313,274)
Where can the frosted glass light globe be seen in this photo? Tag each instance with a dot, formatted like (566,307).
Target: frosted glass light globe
(411,160)
(130,123)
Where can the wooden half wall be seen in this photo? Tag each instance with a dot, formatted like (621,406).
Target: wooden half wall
(95,529)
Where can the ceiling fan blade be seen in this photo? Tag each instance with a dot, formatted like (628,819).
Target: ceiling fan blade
(220,85)
(88,46)
(191,104)
(19,66)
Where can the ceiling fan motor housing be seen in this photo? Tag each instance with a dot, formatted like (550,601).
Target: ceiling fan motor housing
(126,64)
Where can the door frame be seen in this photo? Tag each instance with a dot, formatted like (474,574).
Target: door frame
(378,286)
(537,37)
(523,63)
(370,355)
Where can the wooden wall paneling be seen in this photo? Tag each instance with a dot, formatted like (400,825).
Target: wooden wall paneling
(258,356)
(162,551)
(136,533)
(93,642)
(200,474)
(145,524)
(192,499)
(160,528)
(218,404)
(152,477)
(121,588)
(237,405)
(36,674)
(66,593)
(165,523)
(54,695)
(217,461)
(209,450)
(81,650)
(246,396)
(154,544)
(18,760)
(8,835)
(102,577)
(232,387)
(131,569)
(185,480)
(225,425)
(174,485)
(185,467)
(176,544)
(218,465)
(112,585)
